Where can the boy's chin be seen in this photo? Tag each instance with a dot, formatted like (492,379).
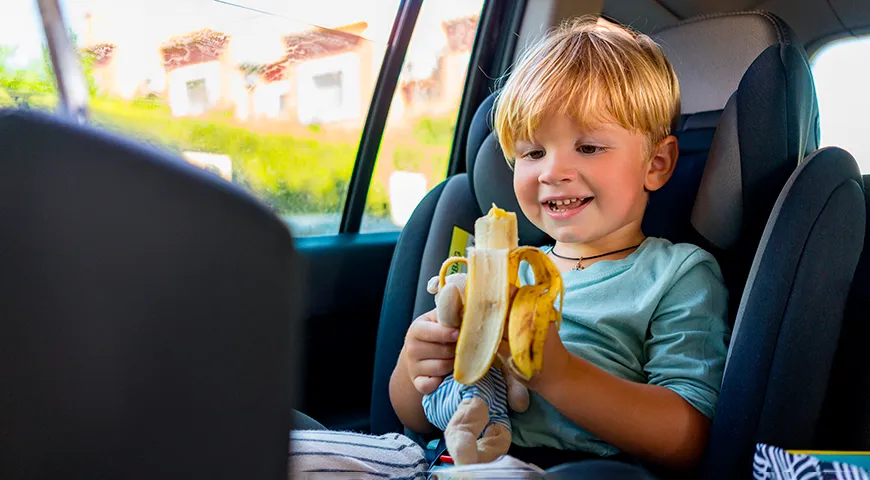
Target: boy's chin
(564,233)
(569,235)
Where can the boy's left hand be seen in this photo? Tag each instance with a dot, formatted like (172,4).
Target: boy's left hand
(556,357)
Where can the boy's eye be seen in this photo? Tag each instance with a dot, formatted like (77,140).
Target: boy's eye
(589,149)
(534,154)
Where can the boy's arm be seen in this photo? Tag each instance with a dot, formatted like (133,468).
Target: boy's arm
(432,347)
(406,400)
(665,420)
(648,421)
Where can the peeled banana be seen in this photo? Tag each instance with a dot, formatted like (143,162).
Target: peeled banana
(493,265)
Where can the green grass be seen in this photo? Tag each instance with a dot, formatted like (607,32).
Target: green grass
(293,175)
(303,174)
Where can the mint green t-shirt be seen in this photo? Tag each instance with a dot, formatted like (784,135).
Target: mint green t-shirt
(658,316)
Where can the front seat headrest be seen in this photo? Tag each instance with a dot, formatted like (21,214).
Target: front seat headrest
(150,310)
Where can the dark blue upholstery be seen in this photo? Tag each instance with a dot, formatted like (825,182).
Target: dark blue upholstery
(609,469)
(401,284)
(149,313)
(790,315)
(845,420)
(677,198)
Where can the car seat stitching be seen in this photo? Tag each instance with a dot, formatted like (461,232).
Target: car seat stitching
(781,35)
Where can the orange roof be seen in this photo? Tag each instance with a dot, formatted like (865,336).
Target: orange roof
(196,47)
(308,45)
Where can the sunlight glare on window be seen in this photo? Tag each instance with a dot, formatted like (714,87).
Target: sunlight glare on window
(416,146)
(26,74)
(840,71)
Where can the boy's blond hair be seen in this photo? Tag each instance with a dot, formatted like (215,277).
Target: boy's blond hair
(593,71)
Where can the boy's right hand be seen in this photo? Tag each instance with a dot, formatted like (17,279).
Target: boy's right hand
(429,351)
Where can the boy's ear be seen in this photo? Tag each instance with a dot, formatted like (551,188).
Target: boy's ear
(662,163)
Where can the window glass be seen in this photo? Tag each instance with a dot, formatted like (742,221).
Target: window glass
(415,149)
(269,94)
(840,71)
(26,76)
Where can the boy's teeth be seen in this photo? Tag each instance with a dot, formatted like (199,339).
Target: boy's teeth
(559,205)
(564,202)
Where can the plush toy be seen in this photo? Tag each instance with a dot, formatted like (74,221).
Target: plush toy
(474,418)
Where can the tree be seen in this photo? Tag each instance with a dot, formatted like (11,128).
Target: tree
(36,79)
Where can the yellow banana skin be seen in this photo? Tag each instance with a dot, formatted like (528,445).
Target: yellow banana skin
(488,302)
(532,310)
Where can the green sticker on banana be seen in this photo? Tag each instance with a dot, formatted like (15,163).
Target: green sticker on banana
(459,243)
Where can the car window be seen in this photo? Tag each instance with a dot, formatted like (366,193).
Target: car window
(840,71)
(269,94)
(26,76)
(415,150)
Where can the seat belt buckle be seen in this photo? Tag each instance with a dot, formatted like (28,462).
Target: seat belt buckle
(436,452)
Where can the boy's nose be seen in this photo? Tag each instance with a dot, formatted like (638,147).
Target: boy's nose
(555,171)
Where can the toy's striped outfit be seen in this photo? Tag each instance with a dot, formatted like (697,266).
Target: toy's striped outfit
(441,404)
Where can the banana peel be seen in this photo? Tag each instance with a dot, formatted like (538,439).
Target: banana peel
(493,265)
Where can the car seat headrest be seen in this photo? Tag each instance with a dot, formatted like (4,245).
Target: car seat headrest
(710,54)
(764,130)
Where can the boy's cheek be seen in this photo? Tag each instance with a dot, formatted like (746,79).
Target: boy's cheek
(527,196)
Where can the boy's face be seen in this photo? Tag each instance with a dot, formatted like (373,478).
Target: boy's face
(599,171)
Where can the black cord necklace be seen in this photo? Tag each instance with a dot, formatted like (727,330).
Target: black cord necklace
(580,260)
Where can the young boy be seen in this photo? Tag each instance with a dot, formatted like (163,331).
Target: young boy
(635,370)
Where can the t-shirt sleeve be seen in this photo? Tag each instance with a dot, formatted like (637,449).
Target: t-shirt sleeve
(688,337)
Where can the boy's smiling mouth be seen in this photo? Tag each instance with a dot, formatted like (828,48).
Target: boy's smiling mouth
(561,205)
(561,208)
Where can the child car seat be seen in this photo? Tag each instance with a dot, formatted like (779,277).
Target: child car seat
(749,116)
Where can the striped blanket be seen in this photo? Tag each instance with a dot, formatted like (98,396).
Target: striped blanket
(335,454)
(316,454)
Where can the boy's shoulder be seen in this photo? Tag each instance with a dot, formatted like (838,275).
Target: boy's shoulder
(676,259)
